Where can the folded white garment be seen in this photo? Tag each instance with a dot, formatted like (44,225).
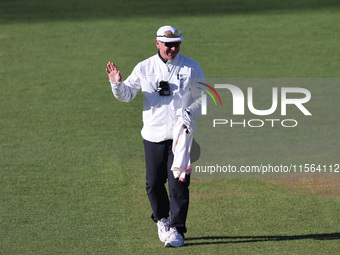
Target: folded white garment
(183,134)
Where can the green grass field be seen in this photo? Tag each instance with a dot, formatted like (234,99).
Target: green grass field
(72,177)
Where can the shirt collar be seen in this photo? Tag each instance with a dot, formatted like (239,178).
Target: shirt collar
(159,55)
(167,61)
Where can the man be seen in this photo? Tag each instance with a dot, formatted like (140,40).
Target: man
(169,82)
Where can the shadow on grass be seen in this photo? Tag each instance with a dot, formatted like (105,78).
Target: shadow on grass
(209,240)
(12,11)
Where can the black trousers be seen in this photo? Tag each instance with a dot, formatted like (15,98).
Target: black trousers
(158,159)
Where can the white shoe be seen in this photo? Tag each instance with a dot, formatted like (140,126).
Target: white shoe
(163,229)
(175,239)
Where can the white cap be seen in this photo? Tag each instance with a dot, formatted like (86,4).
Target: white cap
(169,34)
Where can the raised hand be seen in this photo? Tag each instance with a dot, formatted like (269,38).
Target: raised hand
(113,72)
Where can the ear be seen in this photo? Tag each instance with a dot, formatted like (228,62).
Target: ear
(158,43)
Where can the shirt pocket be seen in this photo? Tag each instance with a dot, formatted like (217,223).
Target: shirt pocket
(183,81)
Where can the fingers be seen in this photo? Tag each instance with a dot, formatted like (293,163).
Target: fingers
(113,72)
(111,67)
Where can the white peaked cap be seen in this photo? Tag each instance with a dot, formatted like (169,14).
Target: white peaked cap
(169,34)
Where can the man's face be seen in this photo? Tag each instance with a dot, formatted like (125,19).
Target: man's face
(168,51)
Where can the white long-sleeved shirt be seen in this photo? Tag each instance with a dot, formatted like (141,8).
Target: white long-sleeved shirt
(159,112)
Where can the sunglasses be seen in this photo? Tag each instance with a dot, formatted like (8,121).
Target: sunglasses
(172,44)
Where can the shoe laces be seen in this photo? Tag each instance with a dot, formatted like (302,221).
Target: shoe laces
(173,231)
(164,223)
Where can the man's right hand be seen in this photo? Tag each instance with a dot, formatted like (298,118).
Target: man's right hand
(113,72)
